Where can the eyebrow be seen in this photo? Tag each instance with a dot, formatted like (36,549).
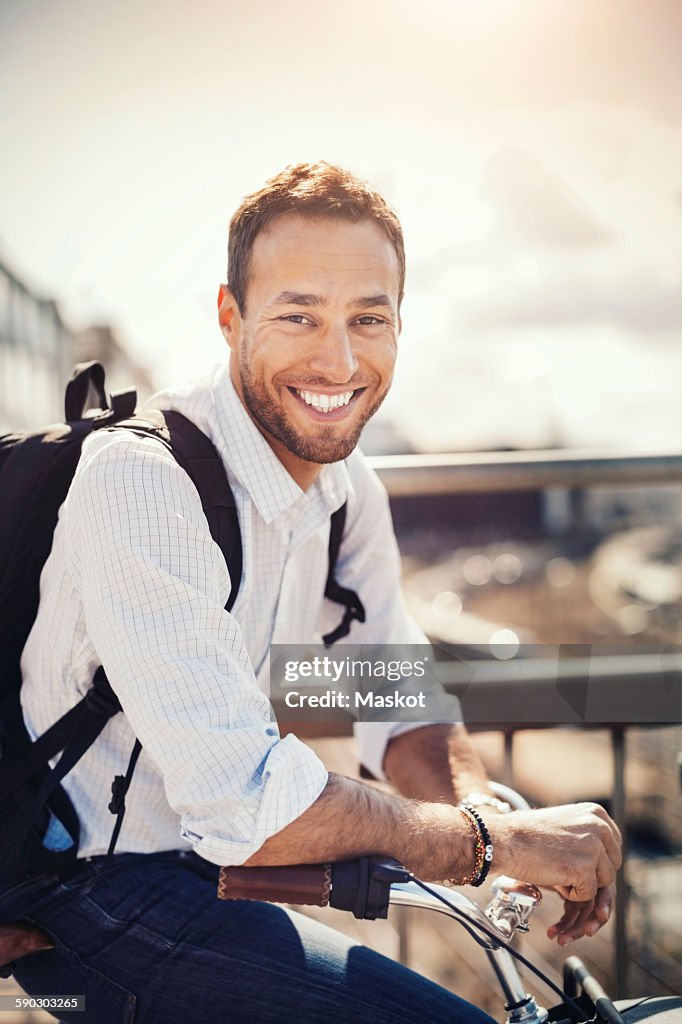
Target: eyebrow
(307,299)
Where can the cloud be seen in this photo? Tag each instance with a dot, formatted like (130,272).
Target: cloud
(630,296)
(570,248)
(534,205)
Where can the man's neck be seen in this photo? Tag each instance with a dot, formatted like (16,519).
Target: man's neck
(303,473)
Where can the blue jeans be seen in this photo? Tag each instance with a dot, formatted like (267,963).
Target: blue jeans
(146,940)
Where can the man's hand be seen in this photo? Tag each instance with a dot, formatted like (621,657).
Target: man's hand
(584,918)
(575,849)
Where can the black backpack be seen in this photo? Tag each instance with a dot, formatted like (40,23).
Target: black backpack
(36,470)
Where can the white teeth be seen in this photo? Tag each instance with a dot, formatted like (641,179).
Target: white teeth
(325,403)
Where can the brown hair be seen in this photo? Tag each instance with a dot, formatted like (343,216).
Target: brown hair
(313,190)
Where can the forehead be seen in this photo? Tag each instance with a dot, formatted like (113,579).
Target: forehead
(307,253)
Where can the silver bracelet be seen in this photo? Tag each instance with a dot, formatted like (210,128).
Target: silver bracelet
(477,799)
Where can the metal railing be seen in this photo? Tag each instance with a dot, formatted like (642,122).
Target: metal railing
(490,472)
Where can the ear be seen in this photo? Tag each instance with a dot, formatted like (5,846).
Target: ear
(229,316)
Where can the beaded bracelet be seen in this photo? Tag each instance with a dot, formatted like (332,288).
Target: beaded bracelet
(486,842)
(479,850)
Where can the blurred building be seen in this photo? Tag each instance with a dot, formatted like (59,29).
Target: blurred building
(38,352)
(36,355)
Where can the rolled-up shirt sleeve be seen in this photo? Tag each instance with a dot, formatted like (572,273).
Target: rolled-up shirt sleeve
(154,586)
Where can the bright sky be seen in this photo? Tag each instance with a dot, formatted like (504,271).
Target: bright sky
(532,148)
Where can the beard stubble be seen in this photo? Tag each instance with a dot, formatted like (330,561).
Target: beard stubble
(327,446)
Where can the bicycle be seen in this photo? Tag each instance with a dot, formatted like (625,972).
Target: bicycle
(367,886)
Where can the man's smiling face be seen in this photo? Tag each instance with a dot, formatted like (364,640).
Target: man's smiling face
(312,357)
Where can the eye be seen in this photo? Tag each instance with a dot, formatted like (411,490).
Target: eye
(296,318)
(369,321)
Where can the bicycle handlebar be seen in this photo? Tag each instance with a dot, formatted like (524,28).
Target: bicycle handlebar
(362,886)
(308,884)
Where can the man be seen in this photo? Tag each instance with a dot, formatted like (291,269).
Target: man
(311,316)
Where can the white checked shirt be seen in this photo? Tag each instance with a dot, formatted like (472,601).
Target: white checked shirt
(136,583)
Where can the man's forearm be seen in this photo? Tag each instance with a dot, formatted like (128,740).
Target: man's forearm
(437,763)
(350,819)
(574,848)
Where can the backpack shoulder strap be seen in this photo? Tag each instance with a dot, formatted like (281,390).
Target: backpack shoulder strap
(196,454)
(333,590)
(199,458)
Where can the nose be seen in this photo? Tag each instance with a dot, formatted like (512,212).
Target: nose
(334,356)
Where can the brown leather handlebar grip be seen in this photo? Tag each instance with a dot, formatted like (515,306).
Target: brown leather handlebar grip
(20,938)
(299,883)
